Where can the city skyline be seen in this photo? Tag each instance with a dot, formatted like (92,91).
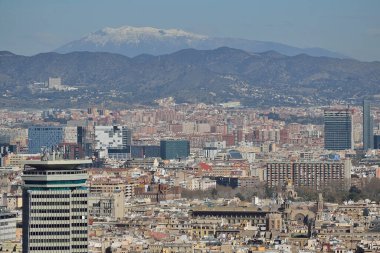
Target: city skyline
(189,126)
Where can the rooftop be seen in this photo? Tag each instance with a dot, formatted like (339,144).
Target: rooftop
(56,164)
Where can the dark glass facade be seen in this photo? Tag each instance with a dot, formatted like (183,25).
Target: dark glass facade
(367,126)
(137,151)
(338,129)
(174,149)
(376,139)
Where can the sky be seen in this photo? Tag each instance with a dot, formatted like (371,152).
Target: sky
(345,26)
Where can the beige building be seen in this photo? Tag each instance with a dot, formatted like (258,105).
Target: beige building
(107,205)
(107,187)
(316,174)
(18,160)
(12,201)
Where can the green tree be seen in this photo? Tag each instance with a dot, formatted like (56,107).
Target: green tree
(355,193)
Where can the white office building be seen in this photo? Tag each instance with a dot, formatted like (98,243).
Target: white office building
(112,137)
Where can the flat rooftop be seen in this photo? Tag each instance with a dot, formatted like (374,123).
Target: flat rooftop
(229,209)
(56,164)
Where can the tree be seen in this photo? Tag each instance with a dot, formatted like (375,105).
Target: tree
(307,193)
(372,190)
(355,193)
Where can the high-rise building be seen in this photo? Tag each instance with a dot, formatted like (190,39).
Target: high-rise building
(367,126)
(54,214)
(338,129)
(50,137)
(85,134)
(119,137)
(44,137)
(174,149)
(313,174)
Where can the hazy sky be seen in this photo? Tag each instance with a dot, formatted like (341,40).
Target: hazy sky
(349,27)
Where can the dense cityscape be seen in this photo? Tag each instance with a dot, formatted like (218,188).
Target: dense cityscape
(200,126)
(191,178)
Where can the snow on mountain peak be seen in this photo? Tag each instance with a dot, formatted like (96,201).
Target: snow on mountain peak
(130,34)
(133,41)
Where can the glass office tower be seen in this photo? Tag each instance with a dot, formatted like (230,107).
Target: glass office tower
(338,129)
(367,126)
(44,136)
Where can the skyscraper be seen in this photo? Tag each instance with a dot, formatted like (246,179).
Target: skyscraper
(367,126)
(112,137)
(338,129)
(55,206)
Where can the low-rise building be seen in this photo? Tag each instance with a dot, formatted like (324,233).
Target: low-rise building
(7,225)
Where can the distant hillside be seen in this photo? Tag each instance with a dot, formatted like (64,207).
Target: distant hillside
(133,41)
(190,75)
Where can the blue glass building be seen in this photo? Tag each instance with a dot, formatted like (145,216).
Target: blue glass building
(44,137)
(376,140)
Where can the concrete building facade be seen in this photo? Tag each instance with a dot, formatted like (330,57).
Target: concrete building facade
(316,175)
(7,225)
(55,214)
(112,137)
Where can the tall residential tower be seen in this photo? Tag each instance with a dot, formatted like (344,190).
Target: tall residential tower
(55,206)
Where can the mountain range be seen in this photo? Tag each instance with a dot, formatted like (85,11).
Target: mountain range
(189,75)
(133,41)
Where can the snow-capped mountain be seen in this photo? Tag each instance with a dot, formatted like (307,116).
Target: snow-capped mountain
(135,35)
(133,41)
